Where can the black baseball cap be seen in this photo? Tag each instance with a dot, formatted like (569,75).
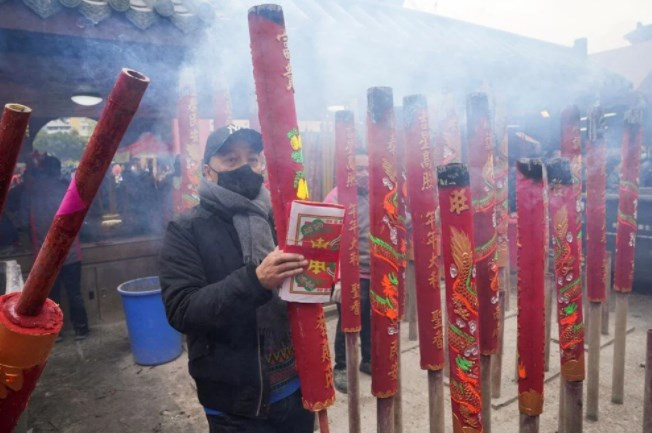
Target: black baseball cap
(226,134)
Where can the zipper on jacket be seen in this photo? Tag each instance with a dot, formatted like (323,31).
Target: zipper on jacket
(260,376)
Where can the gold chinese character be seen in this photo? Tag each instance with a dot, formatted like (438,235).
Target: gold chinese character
(316,266)
(428,181)
(459,202)
(321,326)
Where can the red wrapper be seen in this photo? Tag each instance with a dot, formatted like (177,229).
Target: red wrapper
(191,152)
(347,196)
(481,168)
(596,201)
(571,148)
(628,201)
(532,239)
(24,350)
(425,232)
(461,297)
(287,182)
(120,108)
(386,257)
(565,205)
(12,132)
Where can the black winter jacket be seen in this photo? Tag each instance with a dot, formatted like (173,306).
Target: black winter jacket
(212,297)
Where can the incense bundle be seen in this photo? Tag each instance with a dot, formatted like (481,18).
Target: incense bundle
(187,196)
(481,171)
(564,209)
(596,206)
(386,257)
(425,232)
(347,196)
(461,297)
(287,182)
(29,321)
(532,239)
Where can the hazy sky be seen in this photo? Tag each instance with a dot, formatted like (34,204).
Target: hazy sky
(604,22)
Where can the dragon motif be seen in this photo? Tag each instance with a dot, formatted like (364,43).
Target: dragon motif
(464,295)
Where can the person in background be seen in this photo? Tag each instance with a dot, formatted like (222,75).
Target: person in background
(339,370)
(46,192)
(219,272)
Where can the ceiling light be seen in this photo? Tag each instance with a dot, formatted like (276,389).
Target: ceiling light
(86,99)
(334,108)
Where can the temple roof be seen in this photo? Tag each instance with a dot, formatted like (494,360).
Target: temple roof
(186,15)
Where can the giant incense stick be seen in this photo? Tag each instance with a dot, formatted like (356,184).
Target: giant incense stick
(530,205)
(29,321)
(287,181)
(481,170)
(626,240)
(501,169)
(402,242)
(596,251)
(564,209)
(385,252)
(461,297)
(13,125)
(350,258)
(425,233)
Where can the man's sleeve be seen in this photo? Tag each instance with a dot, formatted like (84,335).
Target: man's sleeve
(191,304)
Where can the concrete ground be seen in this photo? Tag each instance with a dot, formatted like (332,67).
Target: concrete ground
(94,386)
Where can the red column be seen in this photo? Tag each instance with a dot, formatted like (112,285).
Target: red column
(481,170)
(564,210)
(461,297)
(530,206)
(287,180)
(596,201)
(386,258)
(630,169)
(425,232)
(347,196)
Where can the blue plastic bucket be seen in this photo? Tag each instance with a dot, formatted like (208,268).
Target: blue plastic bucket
(153,340)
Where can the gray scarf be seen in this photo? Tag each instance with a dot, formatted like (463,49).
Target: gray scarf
(251,219)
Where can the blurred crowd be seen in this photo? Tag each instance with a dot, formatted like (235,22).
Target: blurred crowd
(135,199)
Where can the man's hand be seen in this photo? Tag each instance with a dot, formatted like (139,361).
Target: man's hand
(278,266)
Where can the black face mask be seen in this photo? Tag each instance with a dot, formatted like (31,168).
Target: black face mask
(242,180)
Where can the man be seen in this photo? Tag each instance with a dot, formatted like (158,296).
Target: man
(339,371)
(44,196)
(219,274)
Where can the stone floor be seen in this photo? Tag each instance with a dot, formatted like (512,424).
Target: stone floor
(94,386)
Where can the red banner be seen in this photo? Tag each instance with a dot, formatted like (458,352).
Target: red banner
(461,297)
(532,239)
(564,210)
(628,201)
(386,257)
(483,190)
(186,195)
(347,196)
(402,211)
(596,206)
(422,192)
(287,181)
